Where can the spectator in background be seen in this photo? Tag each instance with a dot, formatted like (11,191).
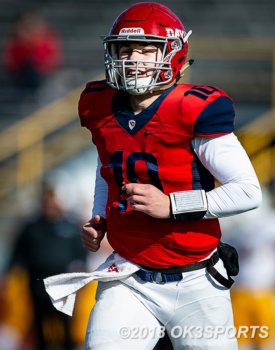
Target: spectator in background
(50,244)
(253,294)
(32,53)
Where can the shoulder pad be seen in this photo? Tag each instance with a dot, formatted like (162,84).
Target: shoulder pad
(94,100)
(211,110)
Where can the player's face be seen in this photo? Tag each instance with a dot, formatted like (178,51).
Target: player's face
(139,52)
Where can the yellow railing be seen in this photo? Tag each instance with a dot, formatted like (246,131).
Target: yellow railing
(32,129)
(23,142)
(258,139)
(26,155)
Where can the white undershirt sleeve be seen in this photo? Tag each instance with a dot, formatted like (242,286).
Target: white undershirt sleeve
(101,193)
(228,162)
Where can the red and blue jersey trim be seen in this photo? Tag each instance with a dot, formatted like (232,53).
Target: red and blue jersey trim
(217,118)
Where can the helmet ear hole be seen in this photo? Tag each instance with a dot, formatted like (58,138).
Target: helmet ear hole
(181,59)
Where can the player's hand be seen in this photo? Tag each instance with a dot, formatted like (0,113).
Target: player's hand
(93,232)
(148,199)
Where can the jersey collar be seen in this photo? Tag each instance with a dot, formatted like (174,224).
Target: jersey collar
(130,122)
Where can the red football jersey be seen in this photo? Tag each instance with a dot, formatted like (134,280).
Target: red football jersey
(155,147)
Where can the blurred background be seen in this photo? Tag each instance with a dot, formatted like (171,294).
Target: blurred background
(49,50)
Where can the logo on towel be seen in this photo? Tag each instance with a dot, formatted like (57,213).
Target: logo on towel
(112,268)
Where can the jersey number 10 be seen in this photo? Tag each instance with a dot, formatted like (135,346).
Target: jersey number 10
(116,161)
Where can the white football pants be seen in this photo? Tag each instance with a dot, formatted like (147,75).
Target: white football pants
(131,314)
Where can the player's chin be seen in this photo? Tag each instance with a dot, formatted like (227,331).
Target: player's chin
(94,249)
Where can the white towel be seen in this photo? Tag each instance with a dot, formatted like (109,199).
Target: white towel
(62,288)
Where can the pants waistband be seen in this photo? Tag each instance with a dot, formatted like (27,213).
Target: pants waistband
(175,273)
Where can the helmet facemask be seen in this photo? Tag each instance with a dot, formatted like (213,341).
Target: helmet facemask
(162,75)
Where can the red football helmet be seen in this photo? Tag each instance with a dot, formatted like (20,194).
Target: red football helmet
(153,24)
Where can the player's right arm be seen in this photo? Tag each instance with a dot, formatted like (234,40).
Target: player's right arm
(93,232)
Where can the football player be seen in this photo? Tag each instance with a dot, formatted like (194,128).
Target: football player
(161,146)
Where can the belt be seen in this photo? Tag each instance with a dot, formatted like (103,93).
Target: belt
(174,274)
(158,277)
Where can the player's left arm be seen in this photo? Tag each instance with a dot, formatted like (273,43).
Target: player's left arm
(225,158)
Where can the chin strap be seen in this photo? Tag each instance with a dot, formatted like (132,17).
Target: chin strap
(180,74)
(185,66)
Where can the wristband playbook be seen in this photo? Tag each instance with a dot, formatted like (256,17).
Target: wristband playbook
(188,205)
